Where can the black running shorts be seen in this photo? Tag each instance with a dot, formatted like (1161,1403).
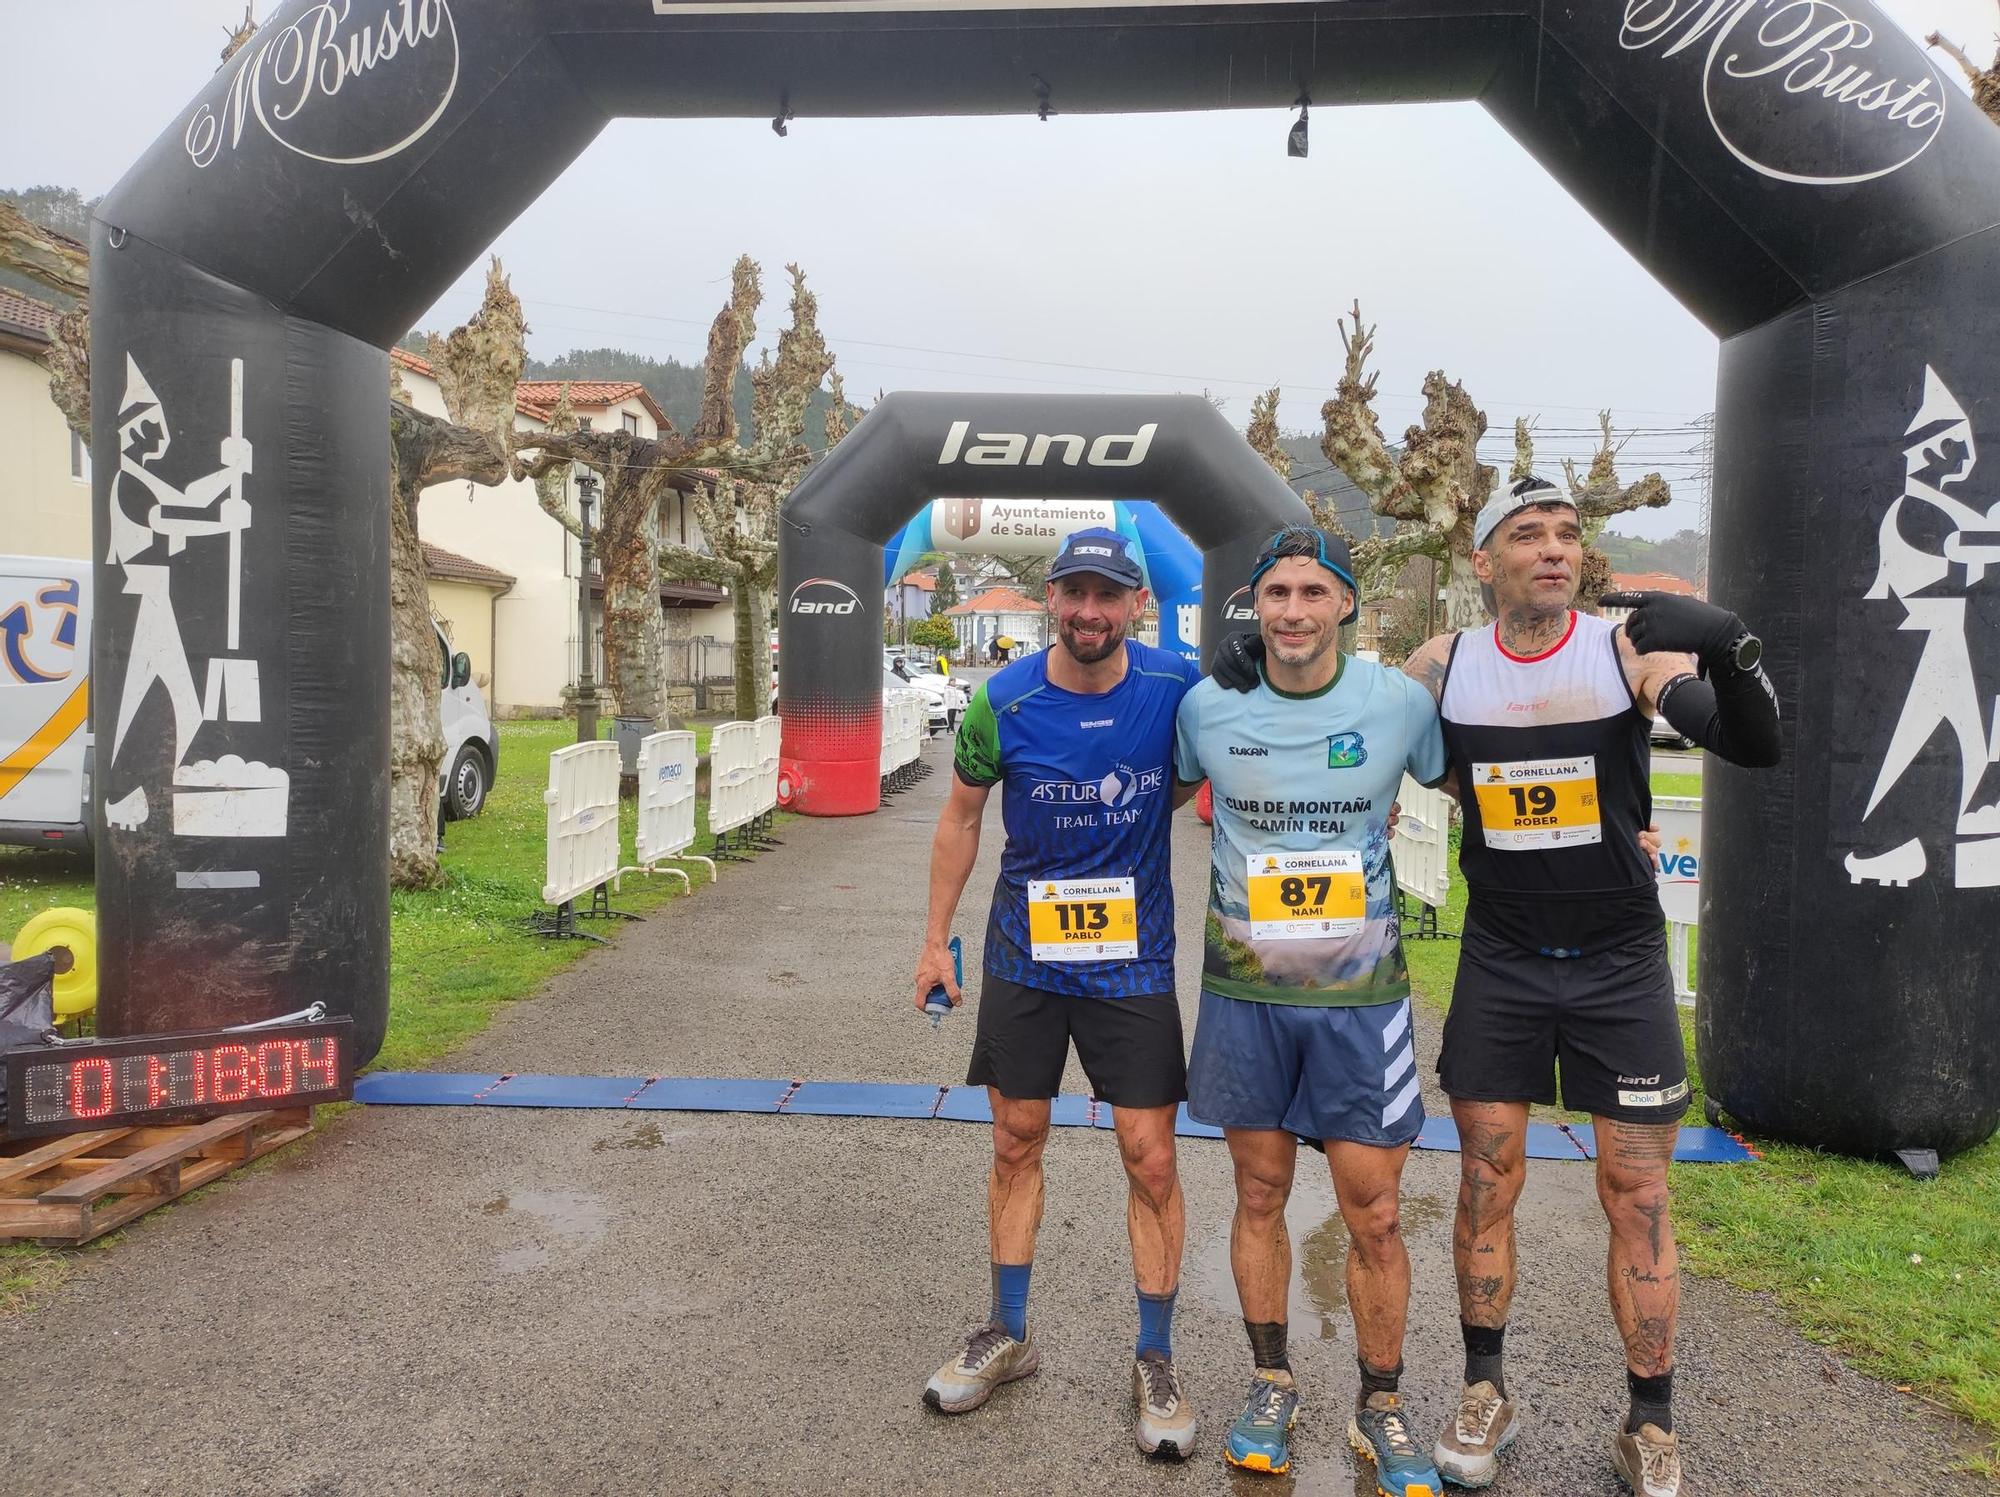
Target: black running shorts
(1607,1019)
(1130,1047)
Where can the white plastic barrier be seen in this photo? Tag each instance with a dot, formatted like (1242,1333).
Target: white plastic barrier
(769,732)
(1421,850)
(903,715)
(733,766)
(1678,869)
(666,805)
(582,801)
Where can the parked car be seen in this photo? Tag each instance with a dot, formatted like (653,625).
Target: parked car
(944,704)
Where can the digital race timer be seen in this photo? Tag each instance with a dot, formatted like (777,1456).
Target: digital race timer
(114,1083)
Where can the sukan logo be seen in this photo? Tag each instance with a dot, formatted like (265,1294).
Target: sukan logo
(1236,608)
(824,595)
(343,83)
(1799,90)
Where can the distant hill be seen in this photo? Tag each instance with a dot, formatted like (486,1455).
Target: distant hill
(1311,470)
(1679,555)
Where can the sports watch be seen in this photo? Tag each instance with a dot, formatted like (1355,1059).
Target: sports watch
(1746,654)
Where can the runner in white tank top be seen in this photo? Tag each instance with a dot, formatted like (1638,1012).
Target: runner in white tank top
(1546,717)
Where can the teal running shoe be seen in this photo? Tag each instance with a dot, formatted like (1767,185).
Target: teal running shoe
(1260,1439)
(1379,1432)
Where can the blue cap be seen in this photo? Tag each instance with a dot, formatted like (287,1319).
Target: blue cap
(1098,550)
(1330,551)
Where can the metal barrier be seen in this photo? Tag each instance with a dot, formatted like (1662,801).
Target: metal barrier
(582,802)
(666,806)
(1678,869)
(1421,855)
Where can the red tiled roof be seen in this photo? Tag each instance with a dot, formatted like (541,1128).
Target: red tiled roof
(1653,582)
(442,563)
(23,314)
(536,398)
(997,600)
(923,582)
(589,394)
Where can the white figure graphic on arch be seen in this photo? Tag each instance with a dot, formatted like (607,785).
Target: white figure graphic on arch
(220,797)
(1939,452)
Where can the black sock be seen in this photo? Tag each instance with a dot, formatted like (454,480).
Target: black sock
(1373,1381)
(1483,1347)
(1652,1401)
(1267,1344)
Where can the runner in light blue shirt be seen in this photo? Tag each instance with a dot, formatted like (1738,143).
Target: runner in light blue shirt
(1305,1012)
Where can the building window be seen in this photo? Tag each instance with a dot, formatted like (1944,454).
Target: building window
(79,459)
(631,423)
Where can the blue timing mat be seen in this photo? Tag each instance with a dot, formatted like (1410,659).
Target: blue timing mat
(863,1099)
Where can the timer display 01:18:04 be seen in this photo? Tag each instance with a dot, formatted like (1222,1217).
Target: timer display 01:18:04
(120,1080)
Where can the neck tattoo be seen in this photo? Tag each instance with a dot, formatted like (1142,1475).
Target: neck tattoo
(1526,631)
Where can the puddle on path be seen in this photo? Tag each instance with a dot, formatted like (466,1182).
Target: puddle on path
(646,1135)
(1318,1295)
(568,1215)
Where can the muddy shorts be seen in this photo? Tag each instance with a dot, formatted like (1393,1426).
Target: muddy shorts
(1323,1074)
(1606,1021)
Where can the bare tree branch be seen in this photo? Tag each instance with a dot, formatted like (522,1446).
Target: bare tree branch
(1263,433)
(47,258)
(1985,82)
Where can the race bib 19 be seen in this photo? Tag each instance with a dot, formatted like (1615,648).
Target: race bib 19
(1306,896)
(1538,803)
(1083,920)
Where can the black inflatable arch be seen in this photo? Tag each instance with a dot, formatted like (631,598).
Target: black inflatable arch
(1176,450)
(1797,174)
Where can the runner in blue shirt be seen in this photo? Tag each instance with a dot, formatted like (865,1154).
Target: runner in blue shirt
(1079,948)
(1305,1010)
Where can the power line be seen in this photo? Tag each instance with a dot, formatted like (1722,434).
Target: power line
(833,340)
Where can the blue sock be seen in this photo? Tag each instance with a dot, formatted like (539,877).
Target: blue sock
(1156,1324)
(1010,1298)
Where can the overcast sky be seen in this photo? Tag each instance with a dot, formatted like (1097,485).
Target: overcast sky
(1133,253)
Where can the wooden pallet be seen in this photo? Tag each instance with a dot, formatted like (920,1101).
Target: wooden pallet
(63,1192)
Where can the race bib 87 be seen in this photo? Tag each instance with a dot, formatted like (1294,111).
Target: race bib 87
(1538,803)
(1083,920)
(1305,896)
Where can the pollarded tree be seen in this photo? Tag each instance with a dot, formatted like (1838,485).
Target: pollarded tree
(1985,81)
(738,507)
(1434,488)
(477,367)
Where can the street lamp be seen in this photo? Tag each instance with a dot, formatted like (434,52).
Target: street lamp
(586,681)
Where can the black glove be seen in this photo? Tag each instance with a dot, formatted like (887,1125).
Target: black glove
(1679,625)
(1239,661)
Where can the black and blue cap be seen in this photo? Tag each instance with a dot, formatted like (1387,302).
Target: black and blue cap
(1330,551)
(1098,550)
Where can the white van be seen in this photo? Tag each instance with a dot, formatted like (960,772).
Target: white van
(44,701)
(471,747)
(45,720)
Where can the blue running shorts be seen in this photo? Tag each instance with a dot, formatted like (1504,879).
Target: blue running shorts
(1343,1074)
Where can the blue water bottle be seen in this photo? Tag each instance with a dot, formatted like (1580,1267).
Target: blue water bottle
(937,1002)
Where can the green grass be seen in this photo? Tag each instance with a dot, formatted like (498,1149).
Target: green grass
(1676,784)
(1900,1276)
(456,954)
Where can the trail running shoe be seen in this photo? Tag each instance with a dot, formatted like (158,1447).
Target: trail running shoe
(1468,1452)
(989,1358)
(1166,1419)
(1378,1430)
(1260,1439)
(1650,1461)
